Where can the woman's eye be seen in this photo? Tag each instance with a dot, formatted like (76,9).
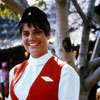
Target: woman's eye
(37,32)
(25,34)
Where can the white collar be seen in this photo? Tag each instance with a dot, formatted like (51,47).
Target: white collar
(41,60)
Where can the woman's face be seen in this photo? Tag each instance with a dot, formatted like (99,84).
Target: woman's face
(34,40)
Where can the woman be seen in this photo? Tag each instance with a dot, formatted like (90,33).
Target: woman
(43,76)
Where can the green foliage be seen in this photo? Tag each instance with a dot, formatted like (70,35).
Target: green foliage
(6,12)
(40,3)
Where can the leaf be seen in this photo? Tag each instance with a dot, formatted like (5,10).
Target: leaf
(6,12)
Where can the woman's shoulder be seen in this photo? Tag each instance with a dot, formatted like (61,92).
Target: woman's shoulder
(69,70)
(17,66)
(11,72)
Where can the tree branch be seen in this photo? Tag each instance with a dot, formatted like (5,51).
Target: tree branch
(96,49)
(90,9)
(92,79)
(94,63)
(79,10)
(13,5)
(82,58)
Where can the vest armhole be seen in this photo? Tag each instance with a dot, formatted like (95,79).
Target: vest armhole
(17,67)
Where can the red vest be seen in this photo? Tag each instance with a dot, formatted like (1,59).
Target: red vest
(40,89)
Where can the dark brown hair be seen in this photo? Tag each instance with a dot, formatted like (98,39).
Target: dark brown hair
(41,25)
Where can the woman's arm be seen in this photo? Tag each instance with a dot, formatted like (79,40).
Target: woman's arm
(69,85)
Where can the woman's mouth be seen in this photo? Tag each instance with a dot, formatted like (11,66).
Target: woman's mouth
(33,44)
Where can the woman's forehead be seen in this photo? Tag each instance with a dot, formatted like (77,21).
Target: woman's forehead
(30,25)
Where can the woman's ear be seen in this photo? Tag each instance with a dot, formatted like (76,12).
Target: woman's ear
(49,35)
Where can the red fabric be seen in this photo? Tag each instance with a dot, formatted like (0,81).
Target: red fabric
(19,69)
(40,89)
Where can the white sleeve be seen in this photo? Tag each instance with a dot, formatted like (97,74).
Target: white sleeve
(69,85)
(11,73)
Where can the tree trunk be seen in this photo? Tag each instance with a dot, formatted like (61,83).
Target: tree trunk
(62,32)
(84,95)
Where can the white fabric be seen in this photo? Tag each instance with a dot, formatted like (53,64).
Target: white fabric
(69,81)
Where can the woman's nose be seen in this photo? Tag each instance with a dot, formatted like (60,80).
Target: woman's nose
(32,36)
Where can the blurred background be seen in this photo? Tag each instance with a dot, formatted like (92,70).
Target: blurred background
(12,51)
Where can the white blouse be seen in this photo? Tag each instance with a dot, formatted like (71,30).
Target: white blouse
(69,84)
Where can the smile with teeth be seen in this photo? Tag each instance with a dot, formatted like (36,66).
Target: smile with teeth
(33,44)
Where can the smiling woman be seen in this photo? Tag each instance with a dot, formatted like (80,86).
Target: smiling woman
(33,42)
(46,76)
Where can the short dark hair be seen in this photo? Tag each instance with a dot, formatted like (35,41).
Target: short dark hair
(36,17)
(40,25)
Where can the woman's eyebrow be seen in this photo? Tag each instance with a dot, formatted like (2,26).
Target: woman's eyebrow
(24,31)
(37,29)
